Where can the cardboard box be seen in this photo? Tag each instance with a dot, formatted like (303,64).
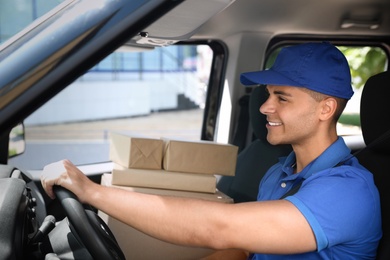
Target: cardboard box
(218,196)
(161,179)
(136,152)
(200,157)
(137,245)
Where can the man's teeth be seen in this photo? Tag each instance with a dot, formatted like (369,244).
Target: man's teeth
(274,124)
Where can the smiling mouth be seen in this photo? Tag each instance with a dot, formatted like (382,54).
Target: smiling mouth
(274,124)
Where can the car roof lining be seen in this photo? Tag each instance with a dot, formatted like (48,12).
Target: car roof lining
(332,17)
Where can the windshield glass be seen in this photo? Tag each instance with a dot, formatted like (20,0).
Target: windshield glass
(156,94)
(57,56)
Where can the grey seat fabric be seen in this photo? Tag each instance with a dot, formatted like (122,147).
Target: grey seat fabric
(255,159)
(375,121)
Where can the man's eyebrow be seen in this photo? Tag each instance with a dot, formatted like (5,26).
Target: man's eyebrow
(278,92)
(283,93)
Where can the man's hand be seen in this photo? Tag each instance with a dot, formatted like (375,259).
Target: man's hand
(65,174)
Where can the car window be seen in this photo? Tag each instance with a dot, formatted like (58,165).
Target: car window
(364,62)
(155,93)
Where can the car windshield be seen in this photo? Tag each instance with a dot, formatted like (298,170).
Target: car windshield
(155,94)
(151,92)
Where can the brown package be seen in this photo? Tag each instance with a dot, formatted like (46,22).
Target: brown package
(160,179)
(135,152)
(200,157)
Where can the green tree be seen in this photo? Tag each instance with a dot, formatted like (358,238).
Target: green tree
(364,62)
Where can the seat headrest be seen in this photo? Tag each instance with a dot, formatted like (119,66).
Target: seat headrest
(257,119)
(375,110)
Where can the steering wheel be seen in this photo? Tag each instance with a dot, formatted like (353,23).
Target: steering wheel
(90,228)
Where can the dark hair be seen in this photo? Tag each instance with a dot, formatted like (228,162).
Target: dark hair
(341,102)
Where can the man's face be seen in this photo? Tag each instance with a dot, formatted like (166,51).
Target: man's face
(292,115)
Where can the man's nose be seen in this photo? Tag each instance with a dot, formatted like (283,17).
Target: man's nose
(267,107)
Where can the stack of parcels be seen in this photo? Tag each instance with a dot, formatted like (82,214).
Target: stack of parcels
(165,167)
(170,164)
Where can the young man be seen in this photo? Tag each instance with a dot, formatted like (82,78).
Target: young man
(334,215)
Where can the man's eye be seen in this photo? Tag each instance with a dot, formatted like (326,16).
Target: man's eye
(282,99)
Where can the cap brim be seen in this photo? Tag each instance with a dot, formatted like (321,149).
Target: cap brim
(266,77)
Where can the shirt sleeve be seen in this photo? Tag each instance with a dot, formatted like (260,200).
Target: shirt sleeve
(331,200)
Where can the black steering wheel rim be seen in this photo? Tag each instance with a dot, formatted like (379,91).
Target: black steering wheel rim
(101,247)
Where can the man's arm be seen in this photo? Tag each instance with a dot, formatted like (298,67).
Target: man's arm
(267,227)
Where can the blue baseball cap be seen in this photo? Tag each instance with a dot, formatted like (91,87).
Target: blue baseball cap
(320,67)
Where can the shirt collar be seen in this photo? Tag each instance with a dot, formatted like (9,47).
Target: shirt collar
(334,154)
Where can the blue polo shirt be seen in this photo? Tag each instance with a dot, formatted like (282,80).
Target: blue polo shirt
(340,202)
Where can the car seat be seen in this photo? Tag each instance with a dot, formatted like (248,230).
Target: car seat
(374,110)
(256,158)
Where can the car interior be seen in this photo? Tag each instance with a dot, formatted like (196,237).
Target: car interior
(89,55)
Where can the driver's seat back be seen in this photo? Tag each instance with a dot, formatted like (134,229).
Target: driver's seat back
(374,115)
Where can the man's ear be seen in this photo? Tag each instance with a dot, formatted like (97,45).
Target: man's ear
(328,108)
